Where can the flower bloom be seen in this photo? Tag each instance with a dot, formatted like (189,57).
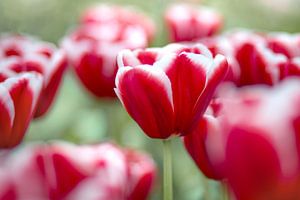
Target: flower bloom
(258,58)
(21,53)
(166,90)
(92,48)
(196,141)
(56,171)
(18,101)
(187,23)
(256,147)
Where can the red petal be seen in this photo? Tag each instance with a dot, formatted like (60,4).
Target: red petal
(188,79)
(216,75)
(195,143)
(24,91)
(252,165)
(90,72)
(49,91)
(146,94)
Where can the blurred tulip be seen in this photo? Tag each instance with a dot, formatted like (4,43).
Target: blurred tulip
(257,145)
(195,143)
(93,47)
(189,22)
(21,53)
(257,58)
(55,171)
(18,100)
(166,90)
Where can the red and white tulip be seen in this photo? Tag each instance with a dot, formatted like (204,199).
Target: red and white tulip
(66,171)
(189,22)
(19,95)
(93,47)
(166,90)
(20,53)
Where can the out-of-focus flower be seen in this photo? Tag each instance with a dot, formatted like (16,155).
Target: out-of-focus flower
(187,22)
(195,143)
(257,146)
(142,173)
(166,90)
(18,100)
(258,58)
(66,171)
(93,47)
(21,53)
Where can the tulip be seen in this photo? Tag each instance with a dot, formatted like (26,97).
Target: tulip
(257,145)
(55,171)
(196,145)
(187,22)
(18,101)
(93,47)
(257,58)
(167,90)
(142,174)
(22,53)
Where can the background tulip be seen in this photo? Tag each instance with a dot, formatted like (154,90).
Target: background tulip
(56,172)
(257,146)
(18,100)
(21,53)
(191,22)
(92,48)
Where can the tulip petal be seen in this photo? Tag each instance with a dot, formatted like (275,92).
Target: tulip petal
(145,92)
(195,143)
(252,164)
(24,91)
(187,73)
(216,74)
(7,114)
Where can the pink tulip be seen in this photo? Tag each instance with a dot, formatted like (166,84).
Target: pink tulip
(166,90)
(18,101)
(66,171)
(187,22)
(21,53)
(93,47)
(256,147)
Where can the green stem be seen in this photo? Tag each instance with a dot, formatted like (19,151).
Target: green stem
(206,193)
(224,191)
(168,188)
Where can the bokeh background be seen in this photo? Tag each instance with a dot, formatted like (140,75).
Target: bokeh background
(79,117)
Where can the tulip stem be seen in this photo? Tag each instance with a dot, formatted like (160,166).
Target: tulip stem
(168,187)
(225,192)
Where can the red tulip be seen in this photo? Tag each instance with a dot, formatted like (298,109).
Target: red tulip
(286,44)
(21,54)
(187,22)
(195,143)
(167,90)
(92,48)
(18,99)
(257,58)
(257,146)
(56,171)
(142,172)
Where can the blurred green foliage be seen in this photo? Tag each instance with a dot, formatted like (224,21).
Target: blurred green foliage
(81,118)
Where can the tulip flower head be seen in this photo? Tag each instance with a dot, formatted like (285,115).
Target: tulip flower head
(93,47)
(19,95)
(187,23)
(256,147)
(20,53)
(56,171)
(166,90)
